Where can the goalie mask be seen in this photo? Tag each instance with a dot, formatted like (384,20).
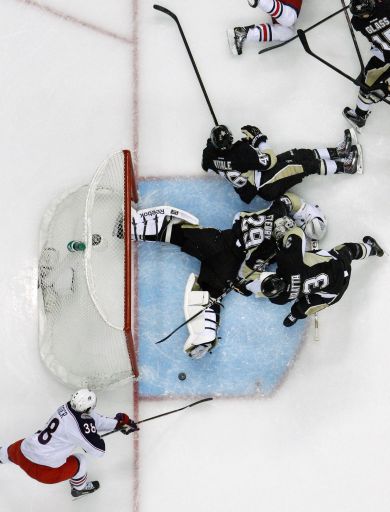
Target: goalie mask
(221,137)
(362,7)
(83,400)
(273,286)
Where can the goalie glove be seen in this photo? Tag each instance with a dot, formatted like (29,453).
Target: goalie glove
(281,226)
(253,135)
(125,424)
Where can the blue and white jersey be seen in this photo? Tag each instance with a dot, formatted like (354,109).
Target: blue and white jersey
(65,431)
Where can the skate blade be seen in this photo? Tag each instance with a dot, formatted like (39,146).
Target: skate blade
(360,159)
(231,41)
(354,137)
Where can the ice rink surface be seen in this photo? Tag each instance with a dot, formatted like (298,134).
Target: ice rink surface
(83,79)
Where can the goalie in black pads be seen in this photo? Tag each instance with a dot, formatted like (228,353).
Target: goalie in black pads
(314,280)
(253,169)
(372,19)
(227,257)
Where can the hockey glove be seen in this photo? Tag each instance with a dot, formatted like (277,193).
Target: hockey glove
(253,135)
(240,287)
(381,93)
(125,424)
(290,320)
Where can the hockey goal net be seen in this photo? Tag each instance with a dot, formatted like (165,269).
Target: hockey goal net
(84,280)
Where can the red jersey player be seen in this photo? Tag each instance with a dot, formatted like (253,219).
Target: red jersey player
(284,14)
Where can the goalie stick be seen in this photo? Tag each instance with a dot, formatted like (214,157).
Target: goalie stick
(269,48)
(175,18)
(218,299)
(163,414)
(356,81)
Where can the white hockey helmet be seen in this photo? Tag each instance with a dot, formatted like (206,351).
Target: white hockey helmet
(83,400)
(315,229)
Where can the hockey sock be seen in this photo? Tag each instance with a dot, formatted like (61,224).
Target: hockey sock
(261,32)
(330,167)
(272,7)
(326,153)
(362,106)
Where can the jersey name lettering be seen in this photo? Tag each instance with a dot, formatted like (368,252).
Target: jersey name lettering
(222,165)
(378,25)
(295,286)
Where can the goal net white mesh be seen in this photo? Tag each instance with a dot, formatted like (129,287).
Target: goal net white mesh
(84,281)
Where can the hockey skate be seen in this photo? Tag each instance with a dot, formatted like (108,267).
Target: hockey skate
(376,249)
(253,3)
(236,38)
(350,139)
(352,117)
(353,163)
(88,489)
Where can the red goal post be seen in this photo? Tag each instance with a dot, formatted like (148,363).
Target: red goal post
(85,284)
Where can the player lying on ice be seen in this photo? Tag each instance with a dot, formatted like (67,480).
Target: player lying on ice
(253,169)
(48,455)
(226,256)
(314,280)
(284,15)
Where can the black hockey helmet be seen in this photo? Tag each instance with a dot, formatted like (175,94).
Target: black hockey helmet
(272,286)
(362,7)
(221,137)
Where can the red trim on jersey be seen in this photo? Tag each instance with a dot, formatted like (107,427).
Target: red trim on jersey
(295,4)
(43,474)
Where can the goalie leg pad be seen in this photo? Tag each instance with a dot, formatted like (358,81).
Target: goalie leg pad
(155,224)
(203,328)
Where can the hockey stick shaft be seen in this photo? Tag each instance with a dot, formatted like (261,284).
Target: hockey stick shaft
(269,48)
(163,414)
(316,328)
(175,18)
(356,81)
(352,32)
(222,296)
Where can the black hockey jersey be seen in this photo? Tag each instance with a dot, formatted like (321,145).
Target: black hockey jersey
(253,232)
(376,28)
(314,280)
(241,165)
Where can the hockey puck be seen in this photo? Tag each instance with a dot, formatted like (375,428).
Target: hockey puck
(182,376)
(96,239)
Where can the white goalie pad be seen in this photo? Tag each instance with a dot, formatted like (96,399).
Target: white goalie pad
(312,221)
(203,328)
(157,222)
(255,285)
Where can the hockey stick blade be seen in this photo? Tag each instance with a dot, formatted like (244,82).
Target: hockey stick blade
(165,11)
(303,39)
(163,414)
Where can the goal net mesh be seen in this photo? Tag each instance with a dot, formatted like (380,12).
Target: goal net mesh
(85,281)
